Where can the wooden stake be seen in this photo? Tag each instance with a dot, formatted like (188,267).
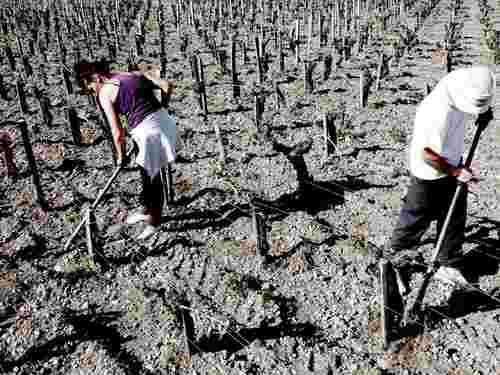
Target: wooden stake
(297,41)
(111,51)
(327,63)
(259,60)
(281,53)
(260,233)
(203,87)
(74,123)
(220,143)
(7,149)
(379,71)
(308,81)
(168,185)
(27,67)
(196,78)
(21,96)
(329,134)
(67,81)
(88,232)
(278,95)
(23,127)
(138,44)
(258,109)
(363,87)
(332,25)
(310,35)
(221,60)
(234,72)
(3,90)
(44,106)
(10,57)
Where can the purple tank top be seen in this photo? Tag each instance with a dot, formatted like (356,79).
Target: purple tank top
(135,98)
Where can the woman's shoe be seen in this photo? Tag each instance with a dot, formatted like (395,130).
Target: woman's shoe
(148,232)
(137,217)
(451,276)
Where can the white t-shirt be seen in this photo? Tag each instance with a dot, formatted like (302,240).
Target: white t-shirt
(442,128)
(440,120)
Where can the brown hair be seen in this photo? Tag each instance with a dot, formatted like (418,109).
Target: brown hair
(84,69)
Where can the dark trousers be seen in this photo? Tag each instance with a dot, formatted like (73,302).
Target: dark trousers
(425,202)
(152,196)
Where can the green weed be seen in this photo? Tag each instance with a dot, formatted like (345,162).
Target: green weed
(248,136)
(394,135)
(7,40)
(215,103)
(367,371)
(375,24)
(392,39)
(392,200)
(375,103)
(279,231)
(79,264)
(344,136)
(136,305)
(215,168)
(215,371)
(296,88)
(359,216)
(152,24)
(183,88)
(214,73)
(72,215)
(167,313)
(351,247)
(264,296)
(327,104)
(232,288)
(232,183)
(168,355)
(312,232)
(224,247)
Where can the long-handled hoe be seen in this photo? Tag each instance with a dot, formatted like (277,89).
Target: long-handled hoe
(89,212)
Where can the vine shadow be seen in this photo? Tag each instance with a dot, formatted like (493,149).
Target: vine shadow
(90,326)
(237,340)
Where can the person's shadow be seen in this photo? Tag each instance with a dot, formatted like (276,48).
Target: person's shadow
(482,260)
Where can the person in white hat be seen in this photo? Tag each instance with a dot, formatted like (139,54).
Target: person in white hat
(435,163)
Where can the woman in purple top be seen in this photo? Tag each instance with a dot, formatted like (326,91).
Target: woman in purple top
(151,127)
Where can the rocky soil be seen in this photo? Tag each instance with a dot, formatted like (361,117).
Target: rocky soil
(308,305)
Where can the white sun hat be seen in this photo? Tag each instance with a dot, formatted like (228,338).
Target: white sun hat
(471,90)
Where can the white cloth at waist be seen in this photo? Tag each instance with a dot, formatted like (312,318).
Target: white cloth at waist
(156,138)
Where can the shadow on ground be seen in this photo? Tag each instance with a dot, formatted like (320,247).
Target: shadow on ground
(87,327)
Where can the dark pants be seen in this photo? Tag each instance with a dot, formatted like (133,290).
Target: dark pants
(425,202)
(152,196)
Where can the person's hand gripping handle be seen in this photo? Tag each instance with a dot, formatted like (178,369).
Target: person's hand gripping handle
(469,174)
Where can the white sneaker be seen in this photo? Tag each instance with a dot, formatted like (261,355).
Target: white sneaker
(137,217)
(148,232)
(451,275)
(404,289)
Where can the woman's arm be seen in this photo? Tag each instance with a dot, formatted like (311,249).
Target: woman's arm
(115,123)
(166,86)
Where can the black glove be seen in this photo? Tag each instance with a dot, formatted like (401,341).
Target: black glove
(484,118)
(124,161)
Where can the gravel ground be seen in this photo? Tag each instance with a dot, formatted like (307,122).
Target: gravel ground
(306,306)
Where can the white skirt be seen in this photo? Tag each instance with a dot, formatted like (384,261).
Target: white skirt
(156,138)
